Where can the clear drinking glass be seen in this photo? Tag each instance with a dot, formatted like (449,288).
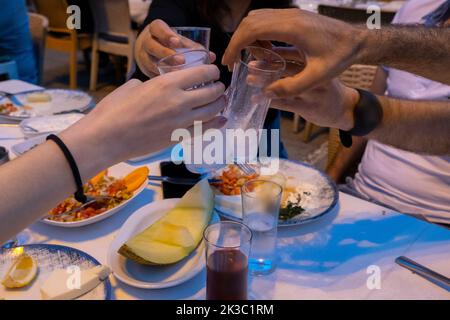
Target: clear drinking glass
(179,61)
(247,104)
(197,34)
(183,60)
(227,250)
(260,208)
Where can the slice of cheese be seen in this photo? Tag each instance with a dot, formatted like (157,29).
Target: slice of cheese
(65,284)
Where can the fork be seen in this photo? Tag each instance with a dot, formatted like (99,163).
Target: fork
(246,168)
(90,200)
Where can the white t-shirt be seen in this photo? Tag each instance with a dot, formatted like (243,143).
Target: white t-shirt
(409,182)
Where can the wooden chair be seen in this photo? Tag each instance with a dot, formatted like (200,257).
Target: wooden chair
(38,28)
(357,76)
(113,33)
(60,37)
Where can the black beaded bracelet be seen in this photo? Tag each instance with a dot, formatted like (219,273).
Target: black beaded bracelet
(79,194)
(368,114)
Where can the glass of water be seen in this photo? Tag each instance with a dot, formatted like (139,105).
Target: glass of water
(247,103)
(192,149)
(183,60)
(261,207)
(197,34)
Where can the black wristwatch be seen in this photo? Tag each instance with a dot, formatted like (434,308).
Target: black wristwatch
(368,114)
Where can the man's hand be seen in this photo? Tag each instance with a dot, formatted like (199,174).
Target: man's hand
(329,46)
(158,41)
(328,105)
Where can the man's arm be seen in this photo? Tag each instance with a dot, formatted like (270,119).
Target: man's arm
(416,49)
(417,126)
(331,46)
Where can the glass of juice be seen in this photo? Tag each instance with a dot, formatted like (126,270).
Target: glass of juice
(227,251)
(261,208)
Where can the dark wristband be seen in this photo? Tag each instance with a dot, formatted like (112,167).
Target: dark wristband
(367,114)
(79,194)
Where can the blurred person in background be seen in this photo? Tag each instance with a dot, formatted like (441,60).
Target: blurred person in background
(406,181)
(139,10)
(156,40)
(15,39)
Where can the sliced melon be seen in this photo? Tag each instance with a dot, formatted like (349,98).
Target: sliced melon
(177,234)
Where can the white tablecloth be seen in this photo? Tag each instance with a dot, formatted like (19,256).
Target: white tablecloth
(327,259)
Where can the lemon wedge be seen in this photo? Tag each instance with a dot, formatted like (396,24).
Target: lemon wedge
(21,273)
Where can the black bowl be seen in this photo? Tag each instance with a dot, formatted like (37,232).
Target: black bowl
(172,170)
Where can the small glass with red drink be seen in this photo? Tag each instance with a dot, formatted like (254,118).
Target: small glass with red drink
(227,251)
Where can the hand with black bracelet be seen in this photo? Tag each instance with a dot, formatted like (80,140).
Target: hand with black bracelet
(136,119)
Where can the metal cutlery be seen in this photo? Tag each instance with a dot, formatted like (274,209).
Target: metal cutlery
(68,111)
(182,181)
(12,98)
(246,168)
(90,200)
(424,272)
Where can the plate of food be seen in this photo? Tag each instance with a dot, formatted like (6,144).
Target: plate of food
(122,182)
(43,271)
(307,192)
(161,244)
(44,103)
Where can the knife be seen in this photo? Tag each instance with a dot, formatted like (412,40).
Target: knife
(182,181)
(12,98)
(428,274)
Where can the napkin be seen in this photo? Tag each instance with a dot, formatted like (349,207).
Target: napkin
(17,86)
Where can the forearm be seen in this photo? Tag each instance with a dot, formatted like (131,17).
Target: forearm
(416,49)
(416,126)
(36,182)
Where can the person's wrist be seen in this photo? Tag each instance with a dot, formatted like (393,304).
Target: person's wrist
(350,100)
(88,149)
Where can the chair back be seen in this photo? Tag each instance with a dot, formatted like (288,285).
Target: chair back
(38,28)
(353,15)
(112,18)
(55,11)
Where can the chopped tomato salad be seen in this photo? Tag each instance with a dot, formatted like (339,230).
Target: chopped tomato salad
(232,179)
(103,185)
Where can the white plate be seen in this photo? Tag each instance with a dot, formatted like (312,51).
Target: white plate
(152,277)
(62,100)
(119,170)
(49,124)
(321,200)
(49,257)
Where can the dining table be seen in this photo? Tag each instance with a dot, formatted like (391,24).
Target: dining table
(349,253)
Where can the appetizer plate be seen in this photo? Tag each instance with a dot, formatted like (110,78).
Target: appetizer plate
(120,170)
(319,194)
(49,258)
(153,277)
(62,100)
